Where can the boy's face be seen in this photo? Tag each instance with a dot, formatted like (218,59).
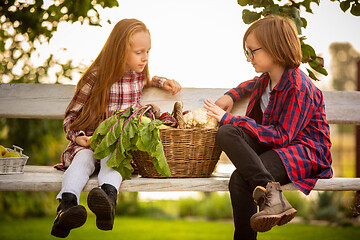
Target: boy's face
(138,55)
(262,61)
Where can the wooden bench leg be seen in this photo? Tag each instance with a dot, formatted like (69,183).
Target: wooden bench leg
(356,207)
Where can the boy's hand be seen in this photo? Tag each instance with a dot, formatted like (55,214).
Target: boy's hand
(172,86)
(215,111)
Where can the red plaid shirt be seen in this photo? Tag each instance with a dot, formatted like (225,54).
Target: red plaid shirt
(123,94)
(293,124)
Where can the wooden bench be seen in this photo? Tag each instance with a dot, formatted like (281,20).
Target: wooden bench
(49,101)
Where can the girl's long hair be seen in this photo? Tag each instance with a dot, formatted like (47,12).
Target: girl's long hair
(109,67)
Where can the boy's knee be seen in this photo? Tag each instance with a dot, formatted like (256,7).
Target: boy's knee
(223,132)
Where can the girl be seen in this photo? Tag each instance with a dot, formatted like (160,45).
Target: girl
(284,136)
(114,81)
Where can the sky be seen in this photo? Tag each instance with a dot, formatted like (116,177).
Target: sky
(199,43)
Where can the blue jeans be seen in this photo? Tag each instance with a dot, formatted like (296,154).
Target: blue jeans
(256,165)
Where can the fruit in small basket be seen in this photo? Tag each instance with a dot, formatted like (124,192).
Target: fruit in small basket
(11,155)
(3,150)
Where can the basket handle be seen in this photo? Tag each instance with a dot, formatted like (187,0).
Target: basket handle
(18,149)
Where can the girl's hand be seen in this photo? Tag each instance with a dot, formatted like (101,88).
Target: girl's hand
(215,110)
(172,86)
(225,102)
(83,141)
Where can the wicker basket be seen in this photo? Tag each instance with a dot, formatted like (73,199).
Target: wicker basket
(189,153)
(13,165)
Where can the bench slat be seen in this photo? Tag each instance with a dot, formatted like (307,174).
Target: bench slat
(46,178)
(51,100)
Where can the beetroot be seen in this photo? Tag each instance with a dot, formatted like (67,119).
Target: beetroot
(168,120)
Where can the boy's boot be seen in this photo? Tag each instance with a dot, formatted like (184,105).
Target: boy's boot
(69,215)
(274,209)
(102,202)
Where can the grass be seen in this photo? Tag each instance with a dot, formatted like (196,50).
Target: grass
(151,229)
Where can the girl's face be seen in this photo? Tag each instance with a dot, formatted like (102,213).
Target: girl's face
(262,61)
(138,55)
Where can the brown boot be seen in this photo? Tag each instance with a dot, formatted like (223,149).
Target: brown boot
(102,202)
(274,209)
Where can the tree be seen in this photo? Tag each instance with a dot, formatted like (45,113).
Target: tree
(291,9)
(24,25)
(343,66)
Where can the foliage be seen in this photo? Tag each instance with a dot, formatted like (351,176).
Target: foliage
(343,66)
(212,206)
(126,131)
(291,9)
(43,140)
(334,207)
(27,204)
(26,25)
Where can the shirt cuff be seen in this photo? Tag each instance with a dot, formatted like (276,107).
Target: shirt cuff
(159,81)
(78,133)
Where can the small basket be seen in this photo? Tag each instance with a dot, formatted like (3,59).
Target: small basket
(13,165)
(189,153)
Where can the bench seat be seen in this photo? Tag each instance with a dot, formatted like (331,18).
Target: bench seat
(50,101)
(47,178)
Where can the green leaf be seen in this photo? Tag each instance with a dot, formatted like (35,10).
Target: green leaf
(355,9)
(345,5)
(125,134)
(308,53)
(249,16)
(159,161)
(274,9)
(110,139)
(311,74)
(243,3)
(306,4)
(304,22)
(318,65)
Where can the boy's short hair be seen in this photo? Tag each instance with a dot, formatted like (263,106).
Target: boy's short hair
(278,36)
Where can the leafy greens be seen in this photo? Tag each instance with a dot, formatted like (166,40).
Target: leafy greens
(125,131)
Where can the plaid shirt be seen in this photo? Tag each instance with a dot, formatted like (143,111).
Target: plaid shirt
(293,124)
(123,94)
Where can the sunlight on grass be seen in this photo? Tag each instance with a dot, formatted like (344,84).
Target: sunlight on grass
(150,229)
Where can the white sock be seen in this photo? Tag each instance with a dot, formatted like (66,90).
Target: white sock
(108,175)
(78,173)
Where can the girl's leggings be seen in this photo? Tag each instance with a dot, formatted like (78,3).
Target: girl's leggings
(256,165)
(81,168)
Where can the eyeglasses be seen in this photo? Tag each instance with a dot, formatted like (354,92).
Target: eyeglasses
(250,53)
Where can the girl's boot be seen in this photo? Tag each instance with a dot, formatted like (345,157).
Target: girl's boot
(274,209)
(69,215)
(102,202)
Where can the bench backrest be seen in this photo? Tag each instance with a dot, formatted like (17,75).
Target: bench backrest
(51,100)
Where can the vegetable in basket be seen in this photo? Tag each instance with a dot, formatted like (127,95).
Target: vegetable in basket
(199,119)
(126,131)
